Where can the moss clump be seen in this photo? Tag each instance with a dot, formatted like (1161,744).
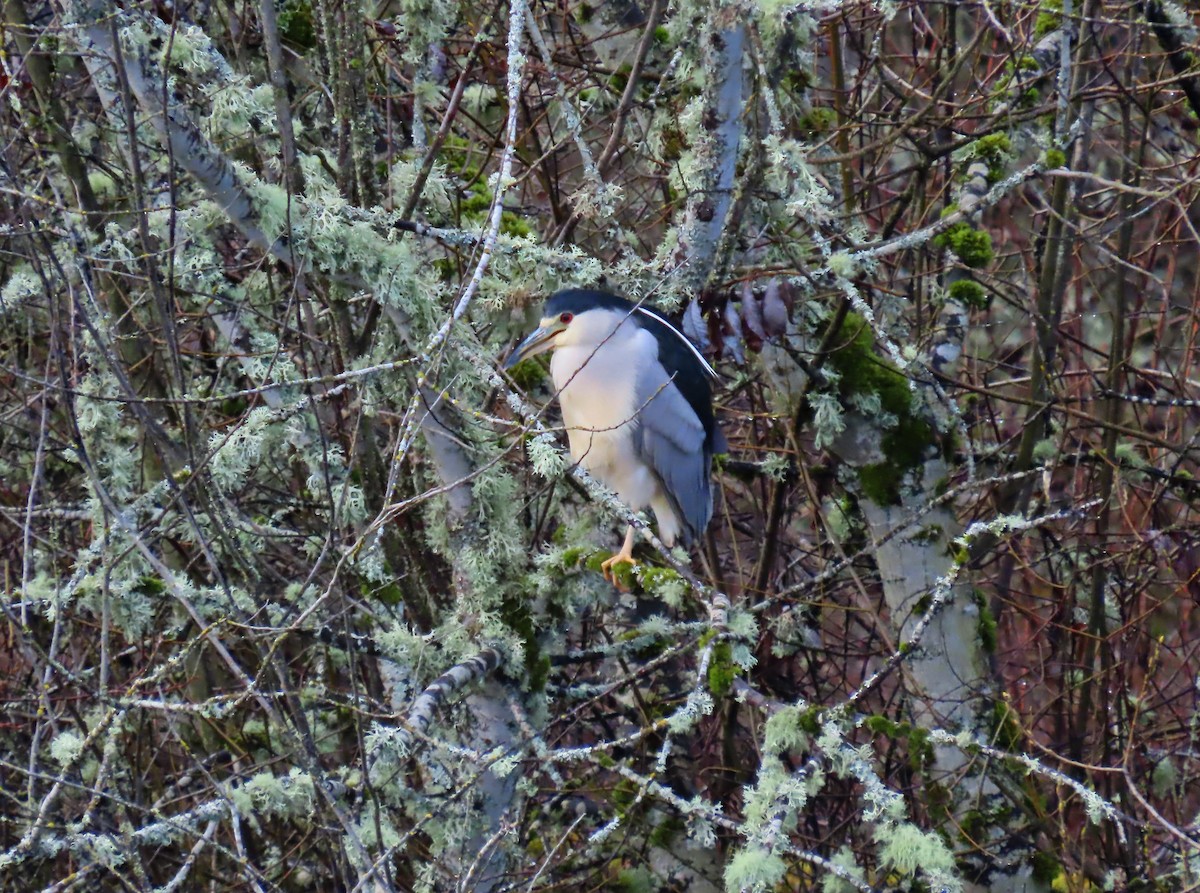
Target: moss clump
(930,533)
(512,225)
(970,293)
(673,143)
(991,146)
(810,721)
(987,623)
(818,121)
(721,670)
(571,557)
(796,80)
(1046,868)
(668,831)
(390,595)
(920,750)
(1029,98)
(529,373)
(1049,18)
(1006,730)
(656,577)
(863,371)
(295,20)
(973,246)
(477,201)
(1055,158)
(622,573)
(662,35)
(993,150)
(618,80)
(515,613)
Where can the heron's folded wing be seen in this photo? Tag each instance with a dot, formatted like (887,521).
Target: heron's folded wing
(670,438)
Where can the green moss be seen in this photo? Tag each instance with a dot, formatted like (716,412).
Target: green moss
(515,613)
(571,557)
(970,293)
(529,373)
(1046,867)
(721,670)
(477,201)
(295,20)
(655,577)
(818,121)
(920,750)
(512,225)
(635,880)
(1006,730)
(1055,158)
(881,483)
(993,150)
(622,573)
(620,78)
(662,35)
(930,533)
(1046,22)
(810,721)
(973,246)
(390,595)
(863,371)
(986,626)
(673,143)
(1049,18)
(881,725)
(667,832)
(797,80)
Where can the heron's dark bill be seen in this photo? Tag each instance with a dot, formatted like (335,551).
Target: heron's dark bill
(539,340)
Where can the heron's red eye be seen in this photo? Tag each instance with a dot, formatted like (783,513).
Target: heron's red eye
(565,318)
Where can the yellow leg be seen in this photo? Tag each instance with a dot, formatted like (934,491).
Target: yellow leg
(625,556)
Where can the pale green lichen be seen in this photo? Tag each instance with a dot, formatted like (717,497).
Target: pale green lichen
(754,869)
(66,747)
(283,796)
(843,859)
(909,850)
(545,456)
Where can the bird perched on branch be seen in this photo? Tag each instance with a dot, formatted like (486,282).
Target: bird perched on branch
(637,404)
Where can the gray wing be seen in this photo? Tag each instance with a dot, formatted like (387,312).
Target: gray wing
(669,436)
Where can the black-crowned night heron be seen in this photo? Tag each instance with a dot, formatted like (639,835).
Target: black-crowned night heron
(637,406)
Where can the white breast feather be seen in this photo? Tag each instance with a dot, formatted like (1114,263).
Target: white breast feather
(597,394)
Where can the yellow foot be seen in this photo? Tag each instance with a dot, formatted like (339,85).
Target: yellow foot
(625,556)
(606,567)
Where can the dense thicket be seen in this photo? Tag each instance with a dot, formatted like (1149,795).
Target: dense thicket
(302,593)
